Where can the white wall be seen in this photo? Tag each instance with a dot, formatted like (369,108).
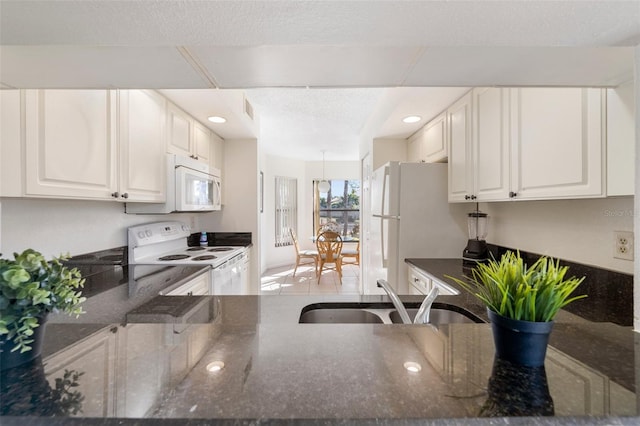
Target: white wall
(54,227)
(385,150)
(576,230)
(240,210)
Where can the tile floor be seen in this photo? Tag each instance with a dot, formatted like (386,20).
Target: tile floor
(281,281)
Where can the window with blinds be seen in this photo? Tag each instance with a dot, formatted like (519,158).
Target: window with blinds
(286,210)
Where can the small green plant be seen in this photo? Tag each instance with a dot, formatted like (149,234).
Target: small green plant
(30,288)
(509,288)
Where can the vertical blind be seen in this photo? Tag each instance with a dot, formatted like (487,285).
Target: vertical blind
(286,210)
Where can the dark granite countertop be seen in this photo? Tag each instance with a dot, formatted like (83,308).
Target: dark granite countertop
(137,365)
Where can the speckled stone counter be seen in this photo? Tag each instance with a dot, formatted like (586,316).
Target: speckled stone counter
(152,369)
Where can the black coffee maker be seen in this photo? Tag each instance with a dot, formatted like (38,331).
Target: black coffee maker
(476,249)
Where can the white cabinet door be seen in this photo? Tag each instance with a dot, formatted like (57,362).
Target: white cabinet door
(95,358)
(70,143)
(142,146)
(557,141)
(460,150)
(179,131)
(491,148)
(434,141)
(201,143)
(186,136)
(429,144)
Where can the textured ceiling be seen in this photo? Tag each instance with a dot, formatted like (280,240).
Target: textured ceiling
(366,62)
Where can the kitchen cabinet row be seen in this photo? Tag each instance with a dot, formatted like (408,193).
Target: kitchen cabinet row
(95,144)
(533,143)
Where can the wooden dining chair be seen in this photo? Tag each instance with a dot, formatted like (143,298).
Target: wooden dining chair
(303,256)
(350,253)
(329,245)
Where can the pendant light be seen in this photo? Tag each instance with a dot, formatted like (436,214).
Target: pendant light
(324,185)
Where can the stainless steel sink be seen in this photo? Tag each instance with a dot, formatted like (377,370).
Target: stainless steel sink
(436,317)
(380,313)
(340,315)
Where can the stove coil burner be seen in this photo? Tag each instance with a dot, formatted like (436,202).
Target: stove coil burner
(195,249)
(205,257)
(174,257)
(220,249)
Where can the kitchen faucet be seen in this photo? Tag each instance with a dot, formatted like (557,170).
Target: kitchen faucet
(422,317)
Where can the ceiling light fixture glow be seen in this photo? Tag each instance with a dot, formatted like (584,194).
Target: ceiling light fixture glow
(323,186)
(412,119)
(215,366)
(412,367)
(217,119)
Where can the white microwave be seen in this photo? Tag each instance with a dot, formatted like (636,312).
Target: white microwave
(191,187)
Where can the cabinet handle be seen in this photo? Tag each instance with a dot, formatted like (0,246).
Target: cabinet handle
(190,293)
(467,197)
(513,194)
(415,280)
(125,195)
(115,194)
(473,197)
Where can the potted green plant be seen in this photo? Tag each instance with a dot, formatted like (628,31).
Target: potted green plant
(30,288)
(521,302)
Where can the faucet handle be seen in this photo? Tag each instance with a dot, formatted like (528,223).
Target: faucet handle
(422,317)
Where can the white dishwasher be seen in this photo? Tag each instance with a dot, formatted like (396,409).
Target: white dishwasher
(231,277)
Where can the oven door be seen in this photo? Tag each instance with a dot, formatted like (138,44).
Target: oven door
(196,191)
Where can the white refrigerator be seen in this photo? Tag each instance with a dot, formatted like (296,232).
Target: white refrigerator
(411,218)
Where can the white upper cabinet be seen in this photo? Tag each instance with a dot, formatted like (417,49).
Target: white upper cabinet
(429,144)
(527,143)
(70,143)
(187,136)
(202,143)
(142,116)
(490,144)
(179,131)
(557,143)
(74,150)
(460,150)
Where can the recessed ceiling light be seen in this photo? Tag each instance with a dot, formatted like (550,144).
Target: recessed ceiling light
(217,119)
(215,366)
(412,367)
(412,119)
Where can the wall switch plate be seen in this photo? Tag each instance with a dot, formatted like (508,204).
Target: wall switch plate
(623,245)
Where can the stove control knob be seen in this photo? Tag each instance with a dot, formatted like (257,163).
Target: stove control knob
(185,228)
(147,233)
(141,234)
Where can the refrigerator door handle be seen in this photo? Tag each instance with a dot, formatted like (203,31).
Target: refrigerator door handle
(383,246)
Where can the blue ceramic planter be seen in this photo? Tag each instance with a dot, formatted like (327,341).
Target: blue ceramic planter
(520,342)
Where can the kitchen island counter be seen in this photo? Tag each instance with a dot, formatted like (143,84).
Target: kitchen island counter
(140,372)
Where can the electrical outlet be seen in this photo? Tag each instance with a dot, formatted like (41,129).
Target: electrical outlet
(623,245)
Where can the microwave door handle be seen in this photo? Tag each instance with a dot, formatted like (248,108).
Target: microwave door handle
(217,192)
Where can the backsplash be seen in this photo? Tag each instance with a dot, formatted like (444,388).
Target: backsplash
(609,293)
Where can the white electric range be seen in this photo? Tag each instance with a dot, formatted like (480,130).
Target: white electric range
(165,243)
